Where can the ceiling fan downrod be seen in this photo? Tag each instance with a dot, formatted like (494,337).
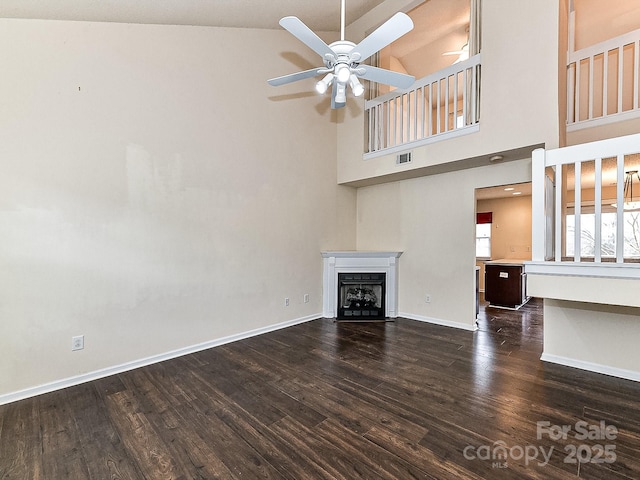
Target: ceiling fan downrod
(342,19)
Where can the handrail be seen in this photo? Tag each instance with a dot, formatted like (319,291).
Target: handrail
(589,89)
(550,198)
(604,46)
(445,102)
(429,79)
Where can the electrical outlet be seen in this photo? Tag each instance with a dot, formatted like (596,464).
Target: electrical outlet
(77,343)
(306,298)
(427,298)
(286,302)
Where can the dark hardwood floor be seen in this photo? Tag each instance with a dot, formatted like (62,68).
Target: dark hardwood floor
(325,400)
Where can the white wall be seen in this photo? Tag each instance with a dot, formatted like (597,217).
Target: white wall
(511,226)
(155,192)
(432,220)
(597,21)
(602,338)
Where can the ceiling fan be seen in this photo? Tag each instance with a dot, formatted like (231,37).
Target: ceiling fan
(463,53)
(342,59)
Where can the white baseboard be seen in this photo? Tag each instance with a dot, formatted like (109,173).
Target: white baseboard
(592,367)
(105,372)
(437,321)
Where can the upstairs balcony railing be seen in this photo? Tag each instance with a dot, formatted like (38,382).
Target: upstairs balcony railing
(439,105)
(602,82)
(584,219)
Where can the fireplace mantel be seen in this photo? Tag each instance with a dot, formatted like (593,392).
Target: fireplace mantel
(359,262)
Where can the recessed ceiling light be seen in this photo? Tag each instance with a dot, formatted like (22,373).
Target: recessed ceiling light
(508,189)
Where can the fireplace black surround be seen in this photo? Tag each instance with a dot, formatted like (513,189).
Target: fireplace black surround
(361,296)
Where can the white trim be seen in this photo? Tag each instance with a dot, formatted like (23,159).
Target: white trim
(516,308)
(438,321)
(592,367)
(402,147)
(584,269)
(359,254)
(105,372)
(538,220)
(335,262)
(610,147)
(602,120)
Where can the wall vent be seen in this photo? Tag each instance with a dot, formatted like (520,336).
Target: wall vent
(403,158)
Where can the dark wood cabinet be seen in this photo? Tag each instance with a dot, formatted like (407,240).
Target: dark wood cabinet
(505,284)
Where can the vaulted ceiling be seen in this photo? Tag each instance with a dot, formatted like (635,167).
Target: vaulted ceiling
(440,24)
(319,15)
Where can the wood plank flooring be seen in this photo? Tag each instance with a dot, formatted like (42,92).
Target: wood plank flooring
(325,400)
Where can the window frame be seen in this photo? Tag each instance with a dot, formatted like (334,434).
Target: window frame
(484,218)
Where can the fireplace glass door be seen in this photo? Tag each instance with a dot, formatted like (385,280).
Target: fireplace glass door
(361,296)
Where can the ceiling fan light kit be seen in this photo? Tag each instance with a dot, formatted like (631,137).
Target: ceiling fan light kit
(356,86)
(323,85)
(342,59)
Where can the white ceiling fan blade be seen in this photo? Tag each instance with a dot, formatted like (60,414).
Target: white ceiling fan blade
(386,33)
(464,49)
(388,77)
(294,77)
(303,33)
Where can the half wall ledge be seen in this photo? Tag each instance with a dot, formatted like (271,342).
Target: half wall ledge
(609,284)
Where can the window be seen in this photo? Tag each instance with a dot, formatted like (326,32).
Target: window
(483,235)
(631,239)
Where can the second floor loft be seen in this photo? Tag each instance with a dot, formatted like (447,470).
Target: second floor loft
(550,73)
(603,60)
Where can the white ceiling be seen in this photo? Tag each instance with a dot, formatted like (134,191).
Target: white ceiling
(318,15)
(439,24)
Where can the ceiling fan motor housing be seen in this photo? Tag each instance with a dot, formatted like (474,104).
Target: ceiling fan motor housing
(342,52)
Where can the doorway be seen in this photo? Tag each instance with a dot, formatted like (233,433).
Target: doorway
(503,225)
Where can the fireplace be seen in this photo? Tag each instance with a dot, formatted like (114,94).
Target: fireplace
(361,296)
(338,266)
